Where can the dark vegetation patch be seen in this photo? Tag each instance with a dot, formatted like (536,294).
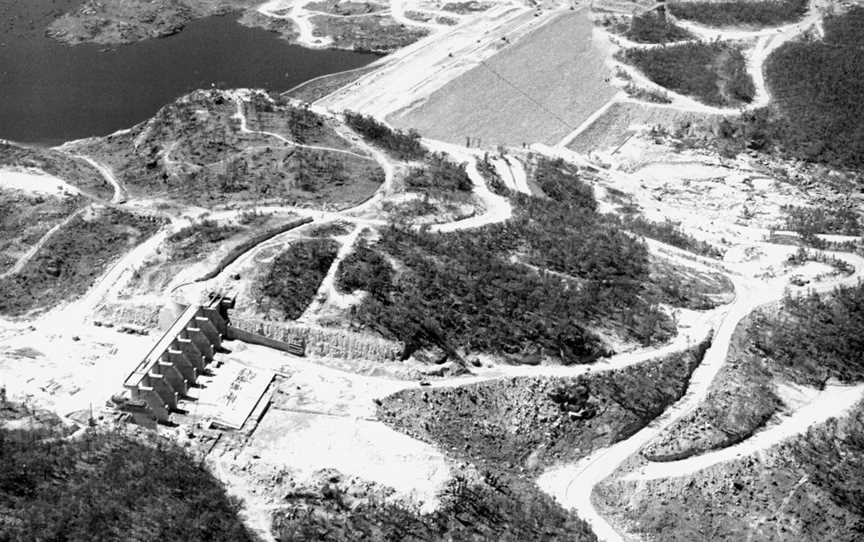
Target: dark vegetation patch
(808,340)
(76,172)
(490,175)
(294,277)
(336,7)
(485,506)
(670,232)
(527,424)
(741,400)
(400,145)
(330,229)
(714,73)
(366,34)
(68,263)
(740,12)
(648,27)
(109,486)
(252,242)
(803,255)
(817,113)
(560,181)
(647,94)
(807,489)
(196,240)
(430,208)
(682,286)
(469,291)
(471,6)
(439,175)
(25,218)
(810,221)
(457,293)
(194,151)
(276,114)
(364,269)
(815,338)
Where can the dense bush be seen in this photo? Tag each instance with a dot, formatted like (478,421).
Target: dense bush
(654,27)
(810,221)
(71,259)
(466,290)
(814,338)
(560,181)
(817,113)
(458,293)
(714,73)
(296,274)
(364,269)
(110,487)
(493,507)
(818,86)
(490,175)
(738,12)
(670,233)
(527,424)
(190,241)
(439,175)
(403,146)
(251,243)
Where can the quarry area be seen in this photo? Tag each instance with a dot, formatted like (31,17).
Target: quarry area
(545,270)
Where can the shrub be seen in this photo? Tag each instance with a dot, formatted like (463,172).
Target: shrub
(364,269)
(193,239)
(464,290)
(109,486)
(402,145)
(654,27)
(297,273)
(814,338)
(715,73)
(809,221)
(489,506)
(560,181)
(818,86)
(738,12)
(71,259)
(670,233)
(439,175)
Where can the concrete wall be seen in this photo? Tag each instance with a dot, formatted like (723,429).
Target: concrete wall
(320,342)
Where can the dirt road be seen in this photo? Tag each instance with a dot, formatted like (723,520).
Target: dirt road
(573,484)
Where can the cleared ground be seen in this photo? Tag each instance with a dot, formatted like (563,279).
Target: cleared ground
(537,90)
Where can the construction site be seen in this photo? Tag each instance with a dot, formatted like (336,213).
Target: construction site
(539,262)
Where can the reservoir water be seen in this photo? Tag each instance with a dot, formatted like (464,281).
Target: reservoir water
(51,92)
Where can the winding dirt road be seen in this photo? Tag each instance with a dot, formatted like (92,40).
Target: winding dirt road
(573,484)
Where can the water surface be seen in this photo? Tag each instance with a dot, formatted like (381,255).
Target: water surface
(53,92)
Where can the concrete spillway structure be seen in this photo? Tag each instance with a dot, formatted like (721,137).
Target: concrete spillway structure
(174,363)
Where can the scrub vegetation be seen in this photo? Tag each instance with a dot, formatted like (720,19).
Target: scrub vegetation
(488,505)
(400,145)
(196,151)
(70,261)
(714,73)
(110,486)
(294,277)
(740,12)
(817,112)
(533,286)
